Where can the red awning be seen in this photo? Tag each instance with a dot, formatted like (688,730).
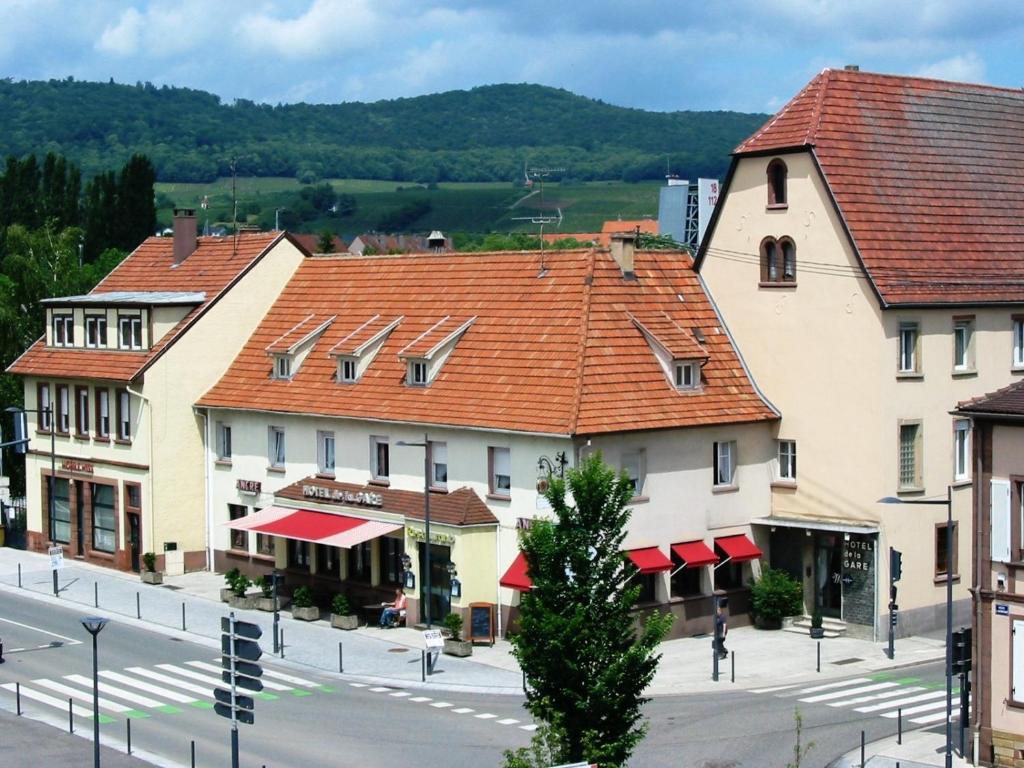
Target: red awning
(649,560)
(317,527)
(516,576)
(695,554)
(738,548)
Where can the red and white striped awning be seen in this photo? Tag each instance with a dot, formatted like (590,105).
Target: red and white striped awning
(317,527)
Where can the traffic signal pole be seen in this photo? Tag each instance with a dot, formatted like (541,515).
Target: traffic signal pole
(895,573)
(234,695)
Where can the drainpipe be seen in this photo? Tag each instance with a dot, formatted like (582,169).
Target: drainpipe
(152,468)
(207,504)
(497,564)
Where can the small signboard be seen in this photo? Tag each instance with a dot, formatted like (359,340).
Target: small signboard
(1002,609)
(432,638)
(481,623)
(56,558)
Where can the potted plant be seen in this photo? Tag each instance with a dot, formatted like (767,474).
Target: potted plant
(454,645)
(238,597)
(265,600)
(227,591)
(817,632)
(149,574)
(775,596)
(341,613)
(302,605)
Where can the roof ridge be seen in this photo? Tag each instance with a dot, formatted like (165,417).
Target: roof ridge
(584,333)
(860,74)
(778,115)
(815,122)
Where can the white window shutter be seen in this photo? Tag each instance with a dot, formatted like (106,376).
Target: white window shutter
(1017,674)
(1000,522)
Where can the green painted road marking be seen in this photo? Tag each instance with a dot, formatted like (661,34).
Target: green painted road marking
(265,696)
(134,714)
(907,680)
(878,676)
(168,709)
(326,688)
(105,719)
(202,704)
(301,693)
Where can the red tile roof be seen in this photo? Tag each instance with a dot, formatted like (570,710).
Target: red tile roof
(363,334)
(557,354)
(429,341)
(1007,401)
(927,175)
(677,341)
(215,264)
(303,330)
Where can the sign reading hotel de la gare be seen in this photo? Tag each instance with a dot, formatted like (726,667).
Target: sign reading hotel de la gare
(363,498)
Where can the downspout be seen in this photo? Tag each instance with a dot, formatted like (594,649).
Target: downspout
(152,469)
(497,563)
(977,681)
(206,487)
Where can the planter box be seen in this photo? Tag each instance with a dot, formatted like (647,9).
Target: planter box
(267,603)
(350,621)
(152,577)
(763,623)
(458,647)
(817,632)
(306,614)
(226,593)
(245,603)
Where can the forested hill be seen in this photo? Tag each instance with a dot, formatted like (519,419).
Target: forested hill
(484,134)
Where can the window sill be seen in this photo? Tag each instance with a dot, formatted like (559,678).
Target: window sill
(81,435)
(441,490)
(325,475)
(911,490)
(275,470)
(121,441)
(499,497)
(724,488)
(777,284)
(223,463)
(776,206)
(259,556)
(783,485)
(43,432)
(963,482)
(100,554)
(641,499)
(964,373)
(941,579)
(381,482)
(909,376)
(102,439)
(234,552)
(1017,369)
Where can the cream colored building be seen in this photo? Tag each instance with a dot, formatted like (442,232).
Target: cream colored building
(868,292)
(112,384)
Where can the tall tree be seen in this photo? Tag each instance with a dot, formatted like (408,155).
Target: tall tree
(136,215)
(586,662)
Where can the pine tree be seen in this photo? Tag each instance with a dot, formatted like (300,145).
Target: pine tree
(586,663)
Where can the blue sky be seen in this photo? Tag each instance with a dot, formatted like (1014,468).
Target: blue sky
(747,55)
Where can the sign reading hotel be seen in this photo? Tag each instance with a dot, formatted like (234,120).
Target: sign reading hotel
(74,465)
(363,498)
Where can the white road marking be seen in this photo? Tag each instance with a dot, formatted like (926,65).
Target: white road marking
(937,717)
(118,693)
(420,698)
(174,696)
(840,694)
(204,691)
(289,678)
(485,716)
(380,689)
(530,727)
(214,681)
(401,694)
(893,704)
(931,706)
(902,691)
(358,685)
(42,698)
(829,686)
(462,710)
(67,690)
(44,631)
(772,690)
(508,721)
(441,704)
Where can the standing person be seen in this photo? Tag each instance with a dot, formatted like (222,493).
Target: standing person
(721,627)
(392,609)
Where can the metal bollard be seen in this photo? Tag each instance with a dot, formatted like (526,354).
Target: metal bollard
(524,681)
(282,642)
(423,666)
(183,617)
(862,749)
(732,674)
(96,594)
(128,725)
(71,718)
(819,655)
(341,658)
(193,753)
(17,697)
(19,575)
(899,725)
(138,606)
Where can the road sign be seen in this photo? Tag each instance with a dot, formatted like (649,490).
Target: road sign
(1002,609)
(242,628)
(244,649)
(56,557)
(224,697)
(432,638)
(242,667)
(241,681)
(241,715)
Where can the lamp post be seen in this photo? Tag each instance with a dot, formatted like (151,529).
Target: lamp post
(425,445)
(94,624)
(948,501)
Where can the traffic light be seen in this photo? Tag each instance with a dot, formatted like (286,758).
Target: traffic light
(962,650)
(895,564)
(240,654)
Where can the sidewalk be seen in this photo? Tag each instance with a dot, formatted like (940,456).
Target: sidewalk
(920,749)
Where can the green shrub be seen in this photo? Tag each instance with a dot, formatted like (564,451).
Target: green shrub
(302,597)
(776,595)
(453,623)
(230,576)
(816,619)
(149,561)
(266,585)
(340,605)
(240,584)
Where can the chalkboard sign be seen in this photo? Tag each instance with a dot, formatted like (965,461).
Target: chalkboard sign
(481,623)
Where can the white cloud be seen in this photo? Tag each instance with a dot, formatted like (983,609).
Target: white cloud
(122,39)
(326,28)
(966,68)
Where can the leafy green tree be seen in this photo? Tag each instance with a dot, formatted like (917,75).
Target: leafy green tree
(326,242)
(586,662)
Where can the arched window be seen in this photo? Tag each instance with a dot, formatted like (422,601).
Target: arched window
(778,260)
(777,183)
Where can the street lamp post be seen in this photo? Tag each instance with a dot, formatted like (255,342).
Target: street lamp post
(94,624)
(948,501)
(425,445)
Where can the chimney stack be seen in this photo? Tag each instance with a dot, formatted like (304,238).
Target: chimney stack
(623,246)
(184,234)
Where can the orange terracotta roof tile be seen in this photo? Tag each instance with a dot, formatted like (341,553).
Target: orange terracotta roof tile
(215,264)
(926,174)
(557,354)
(1008,401)
(364,335)
(680,343)
(302,332)
(434,338)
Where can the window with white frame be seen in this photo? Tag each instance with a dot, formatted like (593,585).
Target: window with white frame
(124,415)
(961,449)
(239,538)
(43,404)
(129,332)
(347,369)
(104,525)
(634,466)
(282,367)
(438,464)
(910,456)
(380,457)
(63,330)
(500,461)
(82,411)
(1018,357)
(417,374)
(787,460)
(275,449)
(725,463)
(909,361)
(102,412)
(223,441)
(687,374)
(96,331)
(963,348)
(325,452)
(63,409)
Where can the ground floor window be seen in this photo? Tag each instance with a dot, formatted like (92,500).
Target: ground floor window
(729,575)
(264,544)
(685,582)
(646,582)
(103,520)
(943,566)
(391,557)
(298,554)
(328,560)
(239,539)
(359,562)
(61,513)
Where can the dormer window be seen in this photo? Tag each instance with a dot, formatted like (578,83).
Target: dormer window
(282,367)
(96,331)
(347,369)
(417,376)
(687,374)
(63,330)
(358,348)
(777,173)
(290,350)
(129,332)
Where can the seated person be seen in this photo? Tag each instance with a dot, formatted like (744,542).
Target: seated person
(392,609)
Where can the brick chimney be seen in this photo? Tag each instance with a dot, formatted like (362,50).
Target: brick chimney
(623,246)
(184,234)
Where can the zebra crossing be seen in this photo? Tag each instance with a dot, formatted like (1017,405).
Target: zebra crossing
(139,692)
(883,694)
